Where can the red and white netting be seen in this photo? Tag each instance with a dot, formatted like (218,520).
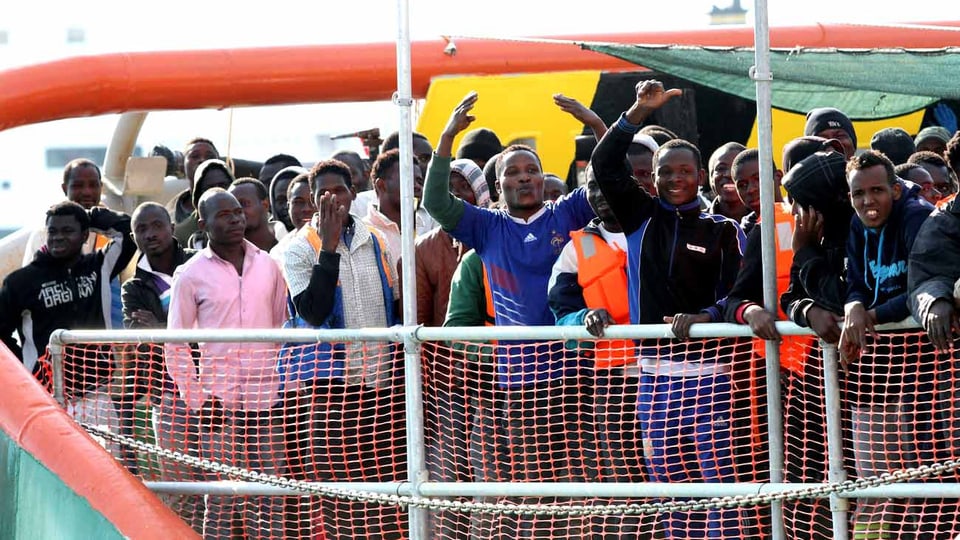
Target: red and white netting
(665,411)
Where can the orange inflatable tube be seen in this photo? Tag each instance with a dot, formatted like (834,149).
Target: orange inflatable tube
(113,83)
(31,417)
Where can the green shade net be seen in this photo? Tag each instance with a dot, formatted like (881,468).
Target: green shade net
(864,84)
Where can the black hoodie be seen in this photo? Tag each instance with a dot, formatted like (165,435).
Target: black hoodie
(46,294)
(817,276)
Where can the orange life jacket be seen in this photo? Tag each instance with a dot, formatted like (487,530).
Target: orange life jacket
(491,318)
(942,203)
(602,274)
(793,349)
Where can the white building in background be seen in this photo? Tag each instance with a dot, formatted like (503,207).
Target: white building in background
(32,157)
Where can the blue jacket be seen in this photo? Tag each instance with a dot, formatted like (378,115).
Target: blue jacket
(308,361)
(877,258)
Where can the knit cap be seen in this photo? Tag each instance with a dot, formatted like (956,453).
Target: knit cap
(895,143)
(469,170)
(824,118)
(818,180)
(479,144)
(647,141)
(933,132)
(796,150)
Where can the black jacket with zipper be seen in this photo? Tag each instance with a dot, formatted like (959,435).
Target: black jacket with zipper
(680,260)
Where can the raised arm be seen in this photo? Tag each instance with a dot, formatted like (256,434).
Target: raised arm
(582,113)
(932,270)
(744,304)
(444,206)
(629,202)
(115,225)
(314,299)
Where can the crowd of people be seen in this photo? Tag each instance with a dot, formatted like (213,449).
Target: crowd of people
(863,238)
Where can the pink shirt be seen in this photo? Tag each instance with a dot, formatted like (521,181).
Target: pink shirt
(208,293)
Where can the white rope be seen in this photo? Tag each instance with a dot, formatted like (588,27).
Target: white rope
(720,48)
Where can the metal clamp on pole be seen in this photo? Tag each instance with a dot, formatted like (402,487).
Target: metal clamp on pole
(756,75)
(55,347)
(401,101)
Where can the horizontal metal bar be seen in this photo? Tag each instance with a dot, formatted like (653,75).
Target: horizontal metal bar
(229,487)
(227,335)
(421,333)
(930,490)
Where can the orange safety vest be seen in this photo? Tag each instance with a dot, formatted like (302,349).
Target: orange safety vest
(313,236)
(491,318)
(793,349)
(942,203)
(602,274)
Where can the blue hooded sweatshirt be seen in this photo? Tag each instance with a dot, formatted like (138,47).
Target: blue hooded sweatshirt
(877,257)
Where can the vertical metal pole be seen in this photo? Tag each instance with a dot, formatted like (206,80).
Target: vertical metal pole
(56,363)
(835,472)
(416,461)
(764,80)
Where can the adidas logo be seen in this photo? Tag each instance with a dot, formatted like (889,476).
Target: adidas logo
(530,238)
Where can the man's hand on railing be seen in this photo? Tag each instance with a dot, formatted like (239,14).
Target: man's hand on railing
(941,323)
(596,320)
(681,322)
(857,322)
(762,322)
(825,324)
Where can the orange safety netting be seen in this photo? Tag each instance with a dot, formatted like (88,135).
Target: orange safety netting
(664,411)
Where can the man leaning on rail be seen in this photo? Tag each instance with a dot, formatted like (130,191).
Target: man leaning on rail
(680,263)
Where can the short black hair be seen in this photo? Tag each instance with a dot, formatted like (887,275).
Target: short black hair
(344,155)
(327,166)
(149,205)
(928,157)
(903,170)
(282,158)
(674,144)
(384,161)
(300,178)
(70,208)
(207,195)
(79,163)
(392,142)
(723,149)
(952,154)
(746,156)
(197,140)
(490,175)
(249,180)
(516,148)
(286,160)
(936,160)
(658,133)
(872,158)
(167,154)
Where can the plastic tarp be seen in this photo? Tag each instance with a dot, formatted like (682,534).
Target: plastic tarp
(866,84)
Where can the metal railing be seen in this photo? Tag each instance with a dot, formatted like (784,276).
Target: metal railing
(417,491)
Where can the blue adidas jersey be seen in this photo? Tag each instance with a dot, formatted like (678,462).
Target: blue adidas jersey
(518,258)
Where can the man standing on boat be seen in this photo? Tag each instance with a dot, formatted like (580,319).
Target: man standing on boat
(230,392)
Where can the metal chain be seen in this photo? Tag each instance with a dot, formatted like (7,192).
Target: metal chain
(922,471)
